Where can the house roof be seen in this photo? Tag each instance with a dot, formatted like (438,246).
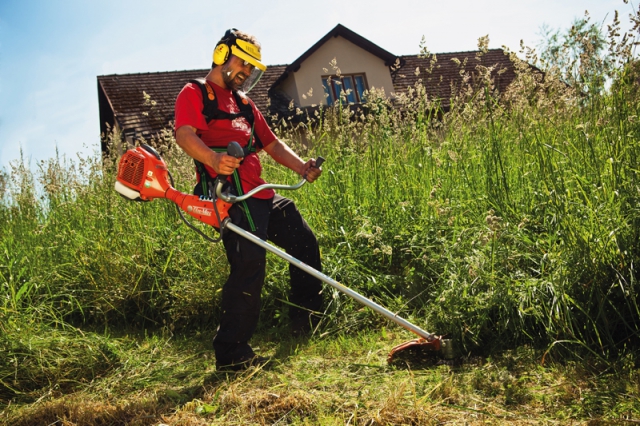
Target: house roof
(344,32)
(124,95)
(447,71)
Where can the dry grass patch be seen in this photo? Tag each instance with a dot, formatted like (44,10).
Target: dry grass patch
(78,411)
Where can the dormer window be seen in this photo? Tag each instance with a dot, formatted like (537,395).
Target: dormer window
(353,86)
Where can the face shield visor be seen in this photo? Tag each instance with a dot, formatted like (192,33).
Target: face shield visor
(250,54)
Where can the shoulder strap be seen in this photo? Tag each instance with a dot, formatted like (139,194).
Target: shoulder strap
(210,108)
(211,111)
(209,101)
(245,106)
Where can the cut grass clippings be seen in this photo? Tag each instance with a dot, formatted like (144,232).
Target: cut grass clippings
(334,381)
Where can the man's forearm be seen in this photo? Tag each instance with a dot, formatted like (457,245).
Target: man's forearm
(284,155)
(222,163)
(191,144)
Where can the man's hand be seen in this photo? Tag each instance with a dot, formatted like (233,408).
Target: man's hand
(189,141)
(224,164)
(310,172)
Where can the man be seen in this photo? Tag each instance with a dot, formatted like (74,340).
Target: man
(203,130)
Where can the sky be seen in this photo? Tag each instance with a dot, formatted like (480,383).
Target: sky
(52,51)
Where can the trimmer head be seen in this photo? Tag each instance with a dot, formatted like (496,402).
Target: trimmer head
(418,350)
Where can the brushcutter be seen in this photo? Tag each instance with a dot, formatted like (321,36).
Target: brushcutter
(143,176)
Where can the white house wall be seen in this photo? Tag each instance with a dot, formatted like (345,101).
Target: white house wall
(350,59)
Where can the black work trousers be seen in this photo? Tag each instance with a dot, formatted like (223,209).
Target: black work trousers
(279,221)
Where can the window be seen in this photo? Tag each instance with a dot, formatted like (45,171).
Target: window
(353,86)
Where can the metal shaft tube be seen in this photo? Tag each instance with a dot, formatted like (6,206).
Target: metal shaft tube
(333,283)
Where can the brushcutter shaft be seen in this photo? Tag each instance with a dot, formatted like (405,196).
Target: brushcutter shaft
(333,283)
(143,175)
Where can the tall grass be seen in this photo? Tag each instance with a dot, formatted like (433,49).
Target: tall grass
(509,219)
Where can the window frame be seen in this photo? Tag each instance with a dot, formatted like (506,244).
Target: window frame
(336,89)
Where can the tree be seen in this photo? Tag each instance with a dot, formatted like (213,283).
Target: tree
(579,55)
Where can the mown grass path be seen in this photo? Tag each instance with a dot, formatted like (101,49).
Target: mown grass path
(334,380)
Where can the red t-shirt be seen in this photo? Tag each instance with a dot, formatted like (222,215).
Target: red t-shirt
(219,133)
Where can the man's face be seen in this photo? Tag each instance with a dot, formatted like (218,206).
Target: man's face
(235,71)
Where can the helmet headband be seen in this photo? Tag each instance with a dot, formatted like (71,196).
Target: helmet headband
(248,52)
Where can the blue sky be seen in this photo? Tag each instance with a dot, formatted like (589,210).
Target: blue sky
(51,51)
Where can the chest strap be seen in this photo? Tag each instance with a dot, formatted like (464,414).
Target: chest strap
(208,184)
(211,111)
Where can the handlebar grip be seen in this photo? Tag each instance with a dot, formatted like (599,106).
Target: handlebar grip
(235,150)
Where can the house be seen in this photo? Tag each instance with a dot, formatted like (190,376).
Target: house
(140,105)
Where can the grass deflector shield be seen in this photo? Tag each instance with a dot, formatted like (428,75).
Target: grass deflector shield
(143,176)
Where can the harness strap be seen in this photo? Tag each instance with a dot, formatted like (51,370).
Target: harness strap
(211,111)
(208,183)
(210,108)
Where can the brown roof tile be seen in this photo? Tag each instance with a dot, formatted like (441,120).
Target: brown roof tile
(124,95)
(447,71)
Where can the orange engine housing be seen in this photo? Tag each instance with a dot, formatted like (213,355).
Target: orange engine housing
(144,172)
(143,176)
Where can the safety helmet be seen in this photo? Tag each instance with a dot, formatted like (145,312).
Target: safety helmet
(229,45)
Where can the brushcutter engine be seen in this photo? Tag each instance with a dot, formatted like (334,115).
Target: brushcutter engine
(143,176)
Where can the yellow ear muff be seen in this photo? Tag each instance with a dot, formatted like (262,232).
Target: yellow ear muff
(220,54)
